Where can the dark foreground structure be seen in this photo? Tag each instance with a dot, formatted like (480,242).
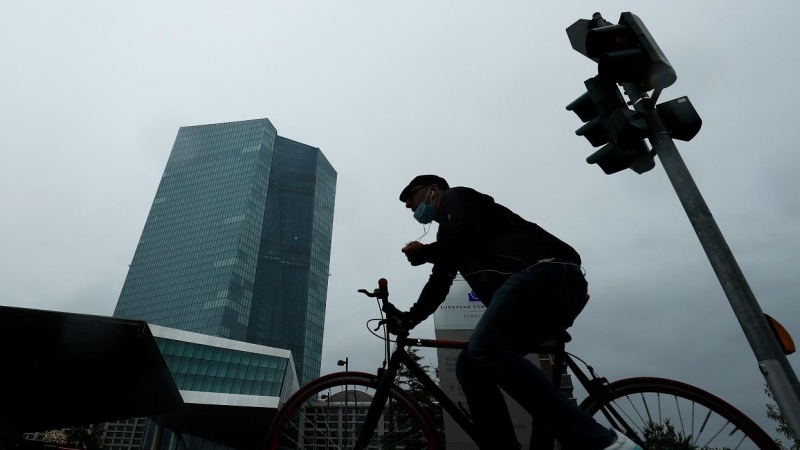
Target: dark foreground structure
(61,370)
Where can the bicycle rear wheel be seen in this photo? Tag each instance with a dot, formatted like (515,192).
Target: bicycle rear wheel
(327,414)
(668,414)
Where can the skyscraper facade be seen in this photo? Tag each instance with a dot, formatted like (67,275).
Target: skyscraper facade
(237,241)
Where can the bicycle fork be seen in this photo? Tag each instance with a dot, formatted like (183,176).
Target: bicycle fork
(381,396)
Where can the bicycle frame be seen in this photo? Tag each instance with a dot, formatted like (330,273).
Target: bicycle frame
(595,386)
(387,376)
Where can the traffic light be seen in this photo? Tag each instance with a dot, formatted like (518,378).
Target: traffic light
(608,122)
(625,53)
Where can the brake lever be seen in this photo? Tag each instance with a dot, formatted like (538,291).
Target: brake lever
(366,292)
(380,324)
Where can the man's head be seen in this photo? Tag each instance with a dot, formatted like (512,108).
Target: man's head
(424,188)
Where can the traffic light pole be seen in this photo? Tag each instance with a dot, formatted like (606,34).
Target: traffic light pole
(771,360)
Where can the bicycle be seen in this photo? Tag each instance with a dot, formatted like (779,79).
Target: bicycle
(395,419)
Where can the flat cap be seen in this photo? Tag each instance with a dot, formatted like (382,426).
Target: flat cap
(422,180)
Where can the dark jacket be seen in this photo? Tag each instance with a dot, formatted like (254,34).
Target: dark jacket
(485,242)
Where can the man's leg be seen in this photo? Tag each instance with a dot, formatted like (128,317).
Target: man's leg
(527,309)
(486,404)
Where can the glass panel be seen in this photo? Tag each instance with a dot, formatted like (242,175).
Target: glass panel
(246,358)
(207,382)
(246,387)
(237,387)
(237,357)
(261,373)
(217,354)
(212,368)
(223,370)
(188,382)
(188,349)
(170,347)
(227,385)
(207,352)
(184,365)
(270,375)
(226,355)
(257,386)
(263,360)
(240,372)
(179,380)
(273,361)
(193,365)
(217,386)
(251,373)
(203,367)
(265,389)
(179,347)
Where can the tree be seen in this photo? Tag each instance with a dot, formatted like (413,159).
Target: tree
(404,433)
(783,428)
(87,437)
(663,436)
(56,437)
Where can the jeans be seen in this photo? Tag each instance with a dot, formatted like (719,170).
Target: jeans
(530,308)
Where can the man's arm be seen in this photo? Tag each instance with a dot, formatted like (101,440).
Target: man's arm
(432,295)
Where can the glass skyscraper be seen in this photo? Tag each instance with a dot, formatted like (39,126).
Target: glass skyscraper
(237,241)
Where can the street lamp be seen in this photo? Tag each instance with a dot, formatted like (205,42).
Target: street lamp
(346,363)
(327,398)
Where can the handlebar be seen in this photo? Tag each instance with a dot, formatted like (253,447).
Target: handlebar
(382,294)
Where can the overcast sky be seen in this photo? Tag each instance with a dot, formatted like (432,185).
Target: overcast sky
(92,96)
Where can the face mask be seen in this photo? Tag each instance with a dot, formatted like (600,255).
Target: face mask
(425,213)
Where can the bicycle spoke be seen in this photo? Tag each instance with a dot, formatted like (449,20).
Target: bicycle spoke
(702,428)
(658,396)
(299,446)
(327,426)
(647,410)
(678,407)
(717,434)
(740,442)
(705,422)
(629,417)
(315,428)
(306,412)
(636,410)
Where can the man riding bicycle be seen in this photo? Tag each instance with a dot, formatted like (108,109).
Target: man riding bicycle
(532,285)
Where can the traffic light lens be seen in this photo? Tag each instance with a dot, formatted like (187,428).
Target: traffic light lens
(608,39)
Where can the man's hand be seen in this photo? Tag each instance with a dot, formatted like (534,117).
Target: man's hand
(413,253)
(402,321)
(394,324)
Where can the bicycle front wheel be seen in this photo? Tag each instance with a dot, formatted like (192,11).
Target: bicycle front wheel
(668,414)
(328,412)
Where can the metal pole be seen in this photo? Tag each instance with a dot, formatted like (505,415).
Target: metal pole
(771,361)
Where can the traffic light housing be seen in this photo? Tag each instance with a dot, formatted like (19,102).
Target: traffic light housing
(608,122)
(625,52)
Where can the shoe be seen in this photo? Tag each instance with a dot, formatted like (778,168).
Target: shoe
(622,443)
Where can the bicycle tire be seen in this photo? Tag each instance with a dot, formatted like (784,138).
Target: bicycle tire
(636,389)
(425,435)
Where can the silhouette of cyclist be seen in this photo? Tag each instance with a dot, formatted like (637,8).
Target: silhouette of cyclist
(533,288)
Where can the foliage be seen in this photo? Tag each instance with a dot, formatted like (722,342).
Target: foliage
(55,437)
(88,437)
(406,435)
(783,428)
(663,436)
